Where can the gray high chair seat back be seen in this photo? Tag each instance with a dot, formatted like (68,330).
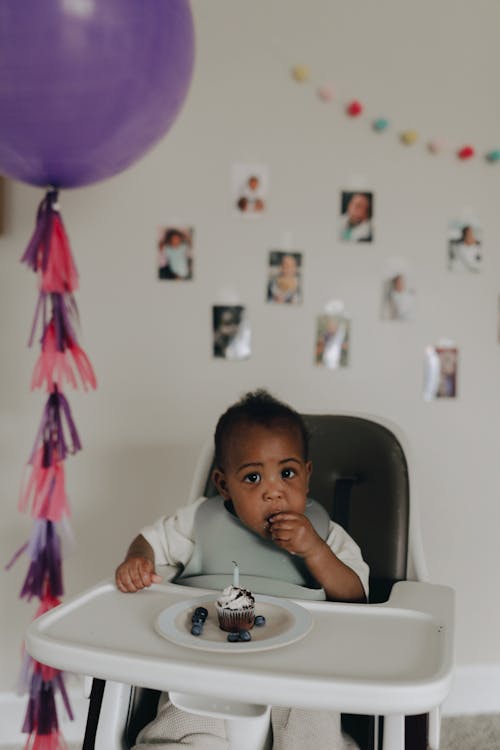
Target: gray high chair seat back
(360,475)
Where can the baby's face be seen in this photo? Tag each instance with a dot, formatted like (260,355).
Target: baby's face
(358,208)
(289,265)
(264,473)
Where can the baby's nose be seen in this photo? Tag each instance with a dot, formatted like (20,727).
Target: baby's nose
(273,491)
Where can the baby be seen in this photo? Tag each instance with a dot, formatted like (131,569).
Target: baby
(261,472)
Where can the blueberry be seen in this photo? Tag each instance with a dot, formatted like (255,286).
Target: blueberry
(259,620)
(201,612)
(245,635)
(197,619)
(196,629)
(233,637)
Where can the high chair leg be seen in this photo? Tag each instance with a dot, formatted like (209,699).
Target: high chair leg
(434,728)
(394,732)
(113,716)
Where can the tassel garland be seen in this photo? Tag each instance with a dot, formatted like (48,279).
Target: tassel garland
(61,361)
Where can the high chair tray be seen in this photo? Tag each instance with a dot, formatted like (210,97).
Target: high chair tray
(393,658)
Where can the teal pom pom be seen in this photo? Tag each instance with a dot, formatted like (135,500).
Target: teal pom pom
(380,124)
(493,155)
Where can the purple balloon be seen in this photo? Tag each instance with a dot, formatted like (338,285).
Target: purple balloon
(88,86)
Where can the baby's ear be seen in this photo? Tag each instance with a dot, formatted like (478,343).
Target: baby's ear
(219,479)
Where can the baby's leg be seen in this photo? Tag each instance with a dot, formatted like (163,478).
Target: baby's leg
(175,728)
(297,729)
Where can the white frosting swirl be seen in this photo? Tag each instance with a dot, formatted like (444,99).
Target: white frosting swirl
(234,597)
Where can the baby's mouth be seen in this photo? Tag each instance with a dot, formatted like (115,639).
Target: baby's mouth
(267,522)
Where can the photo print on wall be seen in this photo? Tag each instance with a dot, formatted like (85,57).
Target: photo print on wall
(175,253)
(464,246)
(250,190)
(332,338)
(284,284)
(440,371)
(356,216)
(398,292)
(231,332)
(498,319)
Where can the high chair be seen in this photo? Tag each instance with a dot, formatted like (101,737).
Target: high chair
(362,476)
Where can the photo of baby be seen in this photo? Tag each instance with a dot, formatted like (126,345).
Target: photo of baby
(250,189)
(356,216)
(398,293)
(464,246)
(231,332)
(284,279)
(175,253)
(332,340)
(440,372)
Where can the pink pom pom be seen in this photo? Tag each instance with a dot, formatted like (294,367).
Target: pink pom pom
(326,93)
(435,147)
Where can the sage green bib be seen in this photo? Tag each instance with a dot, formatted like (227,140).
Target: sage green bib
(220,537)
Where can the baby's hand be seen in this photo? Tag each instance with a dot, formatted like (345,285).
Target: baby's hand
(295,533)
(136,573)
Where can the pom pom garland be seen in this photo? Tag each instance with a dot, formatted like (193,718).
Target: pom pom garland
(354,108)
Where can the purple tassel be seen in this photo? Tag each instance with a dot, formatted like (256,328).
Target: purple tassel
(42,233)
(59,683)
(41,712)
(45,553)
(29,724)
(51,433)
(24,677)
(16,555)
(61,313)
(47,712)
(64,314)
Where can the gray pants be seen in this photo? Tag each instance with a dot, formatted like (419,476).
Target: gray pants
(293,729)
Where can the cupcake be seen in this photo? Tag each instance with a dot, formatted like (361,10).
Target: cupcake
(235,609)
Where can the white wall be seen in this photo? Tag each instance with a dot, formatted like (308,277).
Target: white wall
(430,66)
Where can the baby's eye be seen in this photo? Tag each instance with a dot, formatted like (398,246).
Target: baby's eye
(252,478)
(288,473)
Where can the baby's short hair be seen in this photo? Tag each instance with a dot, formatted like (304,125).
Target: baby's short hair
(258,407)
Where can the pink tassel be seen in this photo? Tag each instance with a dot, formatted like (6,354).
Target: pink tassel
(53,365)
(45,490)
(60,275)
(83,366)
(53,741)
(48,251)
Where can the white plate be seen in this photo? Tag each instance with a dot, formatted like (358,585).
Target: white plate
(286,622)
